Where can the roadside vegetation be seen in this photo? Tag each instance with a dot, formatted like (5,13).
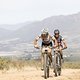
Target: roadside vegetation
(8,63)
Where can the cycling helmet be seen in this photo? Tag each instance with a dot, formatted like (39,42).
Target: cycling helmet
(56,31)
(44,31)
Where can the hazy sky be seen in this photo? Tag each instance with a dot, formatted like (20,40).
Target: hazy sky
(18,11)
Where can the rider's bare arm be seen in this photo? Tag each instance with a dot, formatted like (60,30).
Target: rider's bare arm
(36,42)
(64,43)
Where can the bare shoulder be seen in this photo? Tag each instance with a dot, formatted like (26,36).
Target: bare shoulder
(52,37)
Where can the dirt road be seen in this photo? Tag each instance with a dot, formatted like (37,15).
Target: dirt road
(36,74)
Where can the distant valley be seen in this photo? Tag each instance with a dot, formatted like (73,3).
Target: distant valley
(19,37)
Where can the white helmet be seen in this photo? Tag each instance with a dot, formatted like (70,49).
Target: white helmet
(44,31)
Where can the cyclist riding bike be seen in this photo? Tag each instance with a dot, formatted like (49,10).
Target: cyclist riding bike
(60,41)
(47,40)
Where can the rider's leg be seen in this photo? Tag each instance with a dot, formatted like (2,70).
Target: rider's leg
(50,54)
(42,58)
(61,53)
(50,51)
(50,57)
(42,61)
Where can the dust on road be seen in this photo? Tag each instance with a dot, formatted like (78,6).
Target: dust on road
(31,73)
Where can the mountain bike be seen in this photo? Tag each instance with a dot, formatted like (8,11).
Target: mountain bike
(57,63)
(46,62)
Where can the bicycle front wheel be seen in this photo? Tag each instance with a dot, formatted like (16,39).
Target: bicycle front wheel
(59,64)
(45,66)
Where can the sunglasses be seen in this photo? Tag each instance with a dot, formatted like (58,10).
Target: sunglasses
(57,34)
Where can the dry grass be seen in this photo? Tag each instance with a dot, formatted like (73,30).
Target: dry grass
(71,65)
(6,64)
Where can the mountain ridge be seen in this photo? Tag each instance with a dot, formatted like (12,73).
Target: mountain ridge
(68,25)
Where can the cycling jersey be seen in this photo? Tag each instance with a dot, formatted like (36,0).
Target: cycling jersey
(46,41)
(59,40)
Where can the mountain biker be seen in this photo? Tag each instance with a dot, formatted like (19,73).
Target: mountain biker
(60,41)
(47,40)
